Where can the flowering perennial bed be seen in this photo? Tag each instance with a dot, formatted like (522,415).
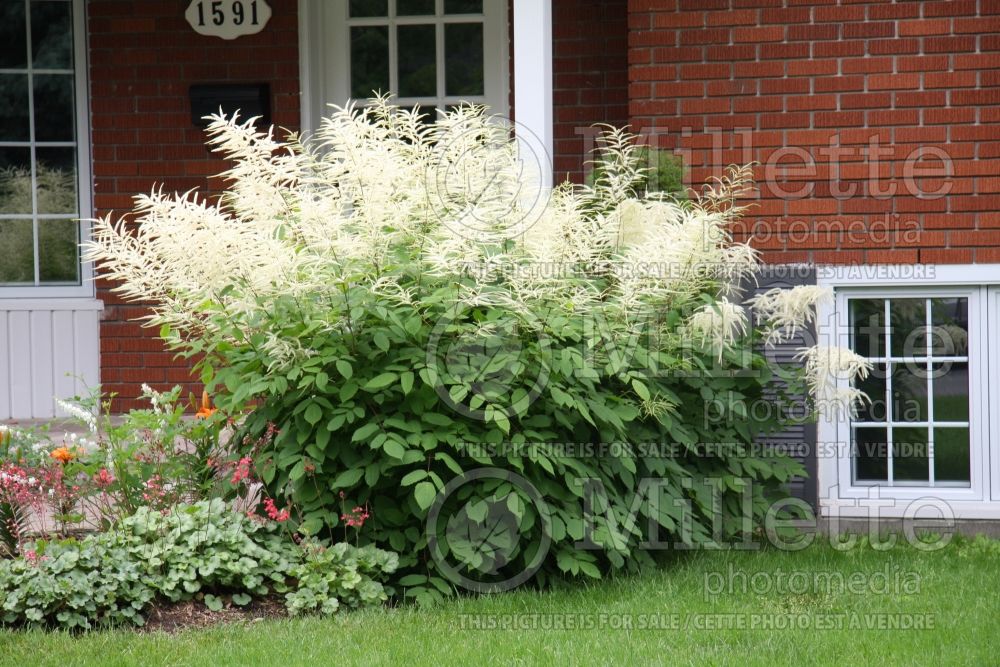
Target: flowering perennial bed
(396,309)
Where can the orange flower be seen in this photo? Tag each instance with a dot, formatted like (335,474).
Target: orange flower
(206,410)
(63,455)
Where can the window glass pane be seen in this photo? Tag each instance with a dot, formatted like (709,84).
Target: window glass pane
(868,326)
(908,319)
(951,391)
(414,7)
(17,248)
(463,6)
(871,455)
(14,124)
(58,247)
(369,8)
(55,118)
(873,410)
(369,61)
(909,392)
(51,35)
(13,36)
(464,59)
(910,462)
(55,175)
(951,455)
(950,322)
(417,61)
(919,387)
(15,180)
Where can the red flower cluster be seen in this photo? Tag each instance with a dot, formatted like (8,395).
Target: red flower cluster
(104,479)
(272,512)
(154,491)
(356,517)
(242,471)
(17,485)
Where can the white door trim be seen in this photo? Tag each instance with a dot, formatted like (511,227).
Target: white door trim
(533,76)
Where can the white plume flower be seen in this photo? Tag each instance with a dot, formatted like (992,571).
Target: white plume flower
(381,206)
(786,311)
(81,414)
(719,324)
(831,373)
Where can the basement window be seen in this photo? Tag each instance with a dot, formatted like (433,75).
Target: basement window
(915,431)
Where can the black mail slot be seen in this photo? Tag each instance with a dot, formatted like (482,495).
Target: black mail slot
(250,100)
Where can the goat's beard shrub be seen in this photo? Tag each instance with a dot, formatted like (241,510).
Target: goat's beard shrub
(392,298)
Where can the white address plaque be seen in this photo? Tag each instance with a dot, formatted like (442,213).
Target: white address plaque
(228,19)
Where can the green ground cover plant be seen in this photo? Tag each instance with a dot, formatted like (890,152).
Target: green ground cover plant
(204,550)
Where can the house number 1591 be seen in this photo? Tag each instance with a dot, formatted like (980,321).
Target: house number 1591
(228,19)
(239,13)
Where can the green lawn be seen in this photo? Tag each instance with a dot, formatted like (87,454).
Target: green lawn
(956,590)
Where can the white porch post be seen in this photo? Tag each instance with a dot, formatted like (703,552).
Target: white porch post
(533,77)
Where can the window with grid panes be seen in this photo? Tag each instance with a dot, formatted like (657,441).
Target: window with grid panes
(916,429)
(39,145)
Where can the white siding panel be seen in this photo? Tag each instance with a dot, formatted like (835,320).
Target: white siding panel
(4,368)
(42,375)
(49,348)
(86,336)
(19,330)
(63,355)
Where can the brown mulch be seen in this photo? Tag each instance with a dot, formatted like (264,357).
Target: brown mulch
(172,617)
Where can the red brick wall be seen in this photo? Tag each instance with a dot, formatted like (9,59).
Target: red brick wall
(589,78)
(143,58)
(730,81)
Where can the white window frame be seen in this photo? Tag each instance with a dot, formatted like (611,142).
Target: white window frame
(83,166)
(325,56)
(838,494)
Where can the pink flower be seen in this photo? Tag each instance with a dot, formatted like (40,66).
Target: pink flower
(273,513)
(154,491)
(242,471)
(356,518)
(104,479)
(33,558)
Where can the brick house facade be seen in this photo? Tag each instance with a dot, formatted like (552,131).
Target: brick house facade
(875,127)
(792,88)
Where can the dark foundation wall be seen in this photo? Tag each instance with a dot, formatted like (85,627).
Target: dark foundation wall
(143,59)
